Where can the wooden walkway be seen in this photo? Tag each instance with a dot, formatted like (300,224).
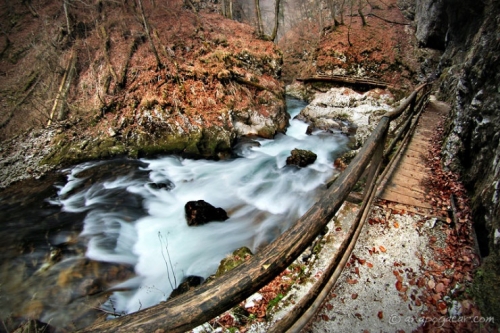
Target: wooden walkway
(406,186)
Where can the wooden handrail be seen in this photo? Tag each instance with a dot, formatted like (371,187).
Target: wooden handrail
(205,302)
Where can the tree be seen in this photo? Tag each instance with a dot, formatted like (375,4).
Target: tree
(227,8)
(148,35)
(260,25)
(360,12)
(276,19)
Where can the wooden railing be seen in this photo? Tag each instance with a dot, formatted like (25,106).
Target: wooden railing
(346,80)
(213,298)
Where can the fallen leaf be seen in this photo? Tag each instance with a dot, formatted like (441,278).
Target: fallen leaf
(380,315)
(431,284)
(328,306)
(396,225)
(399,285)
(352,281)
(325,318)
(382,248)
(369,264)
(442,307)
(354,296)
(439,287)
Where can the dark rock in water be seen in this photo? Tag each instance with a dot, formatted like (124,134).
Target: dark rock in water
(244,145)
(167,185)
(201,212)
(189,283)
(301,158)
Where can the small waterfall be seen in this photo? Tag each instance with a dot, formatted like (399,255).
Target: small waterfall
(130,220)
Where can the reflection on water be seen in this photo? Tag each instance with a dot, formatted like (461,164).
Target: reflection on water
(121,225)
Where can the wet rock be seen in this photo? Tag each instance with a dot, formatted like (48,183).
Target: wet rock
(166,185)
(201,212)
(189,283)
(301,158)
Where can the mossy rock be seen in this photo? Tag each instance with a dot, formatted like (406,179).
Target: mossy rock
(234,260)
(486,287)
(76,152)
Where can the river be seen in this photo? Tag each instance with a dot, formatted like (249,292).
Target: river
(121,224)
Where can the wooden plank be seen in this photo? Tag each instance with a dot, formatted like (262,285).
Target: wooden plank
(411,191)
(417,149)
(413,167)
(402,207)
(405,182)
(418,173)
(420,140)
(404,199)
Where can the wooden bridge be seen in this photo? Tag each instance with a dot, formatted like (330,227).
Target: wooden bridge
(381,163)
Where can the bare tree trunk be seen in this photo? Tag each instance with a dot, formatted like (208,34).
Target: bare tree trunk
(260,26)
(360,12)
(276,19)
(223,7)
(65,6)
(350,24)
(333,12)
(146,28)
(230,9)
(320,16)
(342,13)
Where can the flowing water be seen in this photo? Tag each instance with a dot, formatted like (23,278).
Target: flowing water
(131,216)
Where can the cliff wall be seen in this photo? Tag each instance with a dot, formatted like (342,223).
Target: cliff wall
(469,75)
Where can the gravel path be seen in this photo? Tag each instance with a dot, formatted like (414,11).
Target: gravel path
(380,290)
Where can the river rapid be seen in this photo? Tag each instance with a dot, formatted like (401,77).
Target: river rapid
(121,224)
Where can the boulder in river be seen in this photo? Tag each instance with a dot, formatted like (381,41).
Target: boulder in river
(167,185)
(301,158)
(189,283)
(201,212)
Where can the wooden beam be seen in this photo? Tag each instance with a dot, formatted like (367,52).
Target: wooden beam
(345,80)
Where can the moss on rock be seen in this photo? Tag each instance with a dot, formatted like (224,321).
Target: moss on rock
(486,287)
(234,260)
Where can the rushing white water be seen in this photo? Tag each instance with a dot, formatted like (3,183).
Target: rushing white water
(262,196)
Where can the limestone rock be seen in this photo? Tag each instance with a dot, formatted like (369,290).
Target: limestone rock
(432,23)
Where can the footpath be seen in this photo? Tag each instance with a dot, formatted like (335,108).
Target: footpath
(413,264)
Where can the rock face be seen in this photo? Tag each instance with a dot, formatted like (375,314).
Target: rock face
(469,76)
(432,23)
(301,158)
(201,212)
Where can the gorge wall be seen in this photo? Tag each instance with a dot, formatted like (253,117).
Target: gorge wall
(468,32)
